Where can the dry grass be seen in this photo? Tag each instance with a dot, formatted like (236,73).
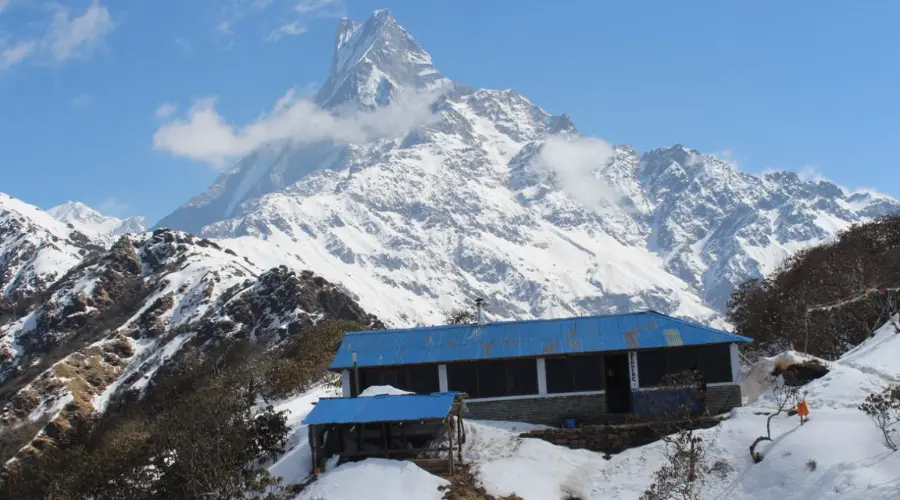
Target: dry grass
(464,486)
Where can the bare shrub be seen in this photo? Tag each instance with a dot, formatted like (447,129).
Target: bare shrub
(884,410)
(785,397)
(685,472)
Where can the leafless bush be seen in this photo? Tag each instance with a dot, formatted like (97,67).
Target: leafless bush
(785,397)
(884,410)
(685,472)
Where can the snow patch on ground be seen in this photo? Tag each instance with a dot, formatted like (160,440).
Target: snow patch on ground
(296,463)
(376,479)
(378,390)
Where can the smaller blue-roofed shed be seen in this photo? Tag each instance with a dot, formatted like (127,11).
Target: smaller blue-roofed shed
(549,371)
(382,408)
(408,426)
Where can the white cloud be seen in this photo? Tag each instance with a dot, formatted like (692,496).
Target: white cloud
(289,29)
(811,173)
(165,110)
(224,28)
(181,43)
(82,100)
(204,135)
(10,56)
(293,20)
(575,162)
(112,207)
(70,38)
(320,7)
(4,4)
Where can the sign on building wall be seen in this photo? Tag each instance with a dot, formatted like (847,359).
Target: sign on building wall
(633,369)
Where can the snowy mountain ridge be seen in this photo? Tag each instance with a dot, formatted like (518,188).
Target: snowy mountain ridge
(91,222)
(495,197)
(81,322)
(35,249)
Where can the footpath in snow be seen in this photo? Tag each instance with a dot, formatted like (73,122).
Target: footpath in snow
(838,454)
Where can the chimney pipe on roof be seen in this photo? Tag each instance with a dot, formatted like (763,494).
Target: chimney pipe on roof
(355,375)
(479,307)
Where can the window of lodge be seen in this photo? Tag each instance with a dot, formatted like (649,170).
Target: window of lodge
(421,379)
(494,378)
(713,361)
(575,374)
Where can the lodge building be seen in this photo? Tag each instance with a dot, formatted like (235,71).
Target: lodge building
(545,371)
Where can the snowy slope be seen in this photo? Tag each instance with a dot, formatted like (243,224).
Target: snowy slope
(850,459)
(110,324)
(35,248)
(92,223)
(492,196)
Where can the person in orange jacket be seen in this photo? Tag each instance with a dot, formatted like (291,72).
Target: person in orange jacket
(803,411)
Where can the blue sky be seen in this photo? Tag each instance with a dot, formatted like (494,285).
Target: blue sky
(804,85)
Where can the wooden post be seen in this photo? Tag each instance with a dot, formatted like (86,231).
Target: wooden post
(459,437)
(356,373)
(313,439)
(450,448)
(806,329)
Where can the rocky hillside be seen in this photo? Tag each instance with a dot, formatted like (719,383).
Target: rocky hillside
(106,326)
(490,195)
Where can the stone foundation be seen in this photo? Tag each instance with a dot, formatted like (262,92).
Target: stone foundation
(541,410)
(585,409)
(616,438)
(722,398)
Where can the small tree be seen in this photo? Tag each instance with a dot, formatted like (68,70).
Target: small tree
(785,396)
(884,410)
(460,316)
(683,477)
(684,474)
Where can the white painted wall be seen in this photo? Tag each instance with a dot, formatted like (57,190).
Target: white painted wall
(633,373)
(735,363)
(345,383)
(442,378)
(542,376)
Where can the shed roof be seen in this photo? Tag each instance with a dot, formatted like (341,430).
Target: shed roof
(381,408)
(448,343)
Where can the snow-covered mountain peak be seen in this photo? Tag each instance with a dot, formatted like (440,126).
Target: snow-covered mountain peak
(35,249)
(492,196)
(373,62)
(92,223)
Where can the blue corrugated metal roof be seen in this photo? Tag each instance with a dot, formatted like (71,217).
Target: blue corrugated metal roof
(381,408)
(620,332)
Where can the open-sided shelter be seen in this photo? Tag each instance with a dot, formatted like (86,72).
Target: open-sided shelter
(423,428)
(547,371)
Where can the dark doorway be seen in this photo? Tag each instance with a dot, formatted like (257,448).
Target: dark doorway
(618,385)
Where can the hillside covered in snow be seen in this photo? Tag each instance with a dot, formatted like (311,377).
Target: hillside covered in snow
(83,323)
(420,194)
(35,250)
